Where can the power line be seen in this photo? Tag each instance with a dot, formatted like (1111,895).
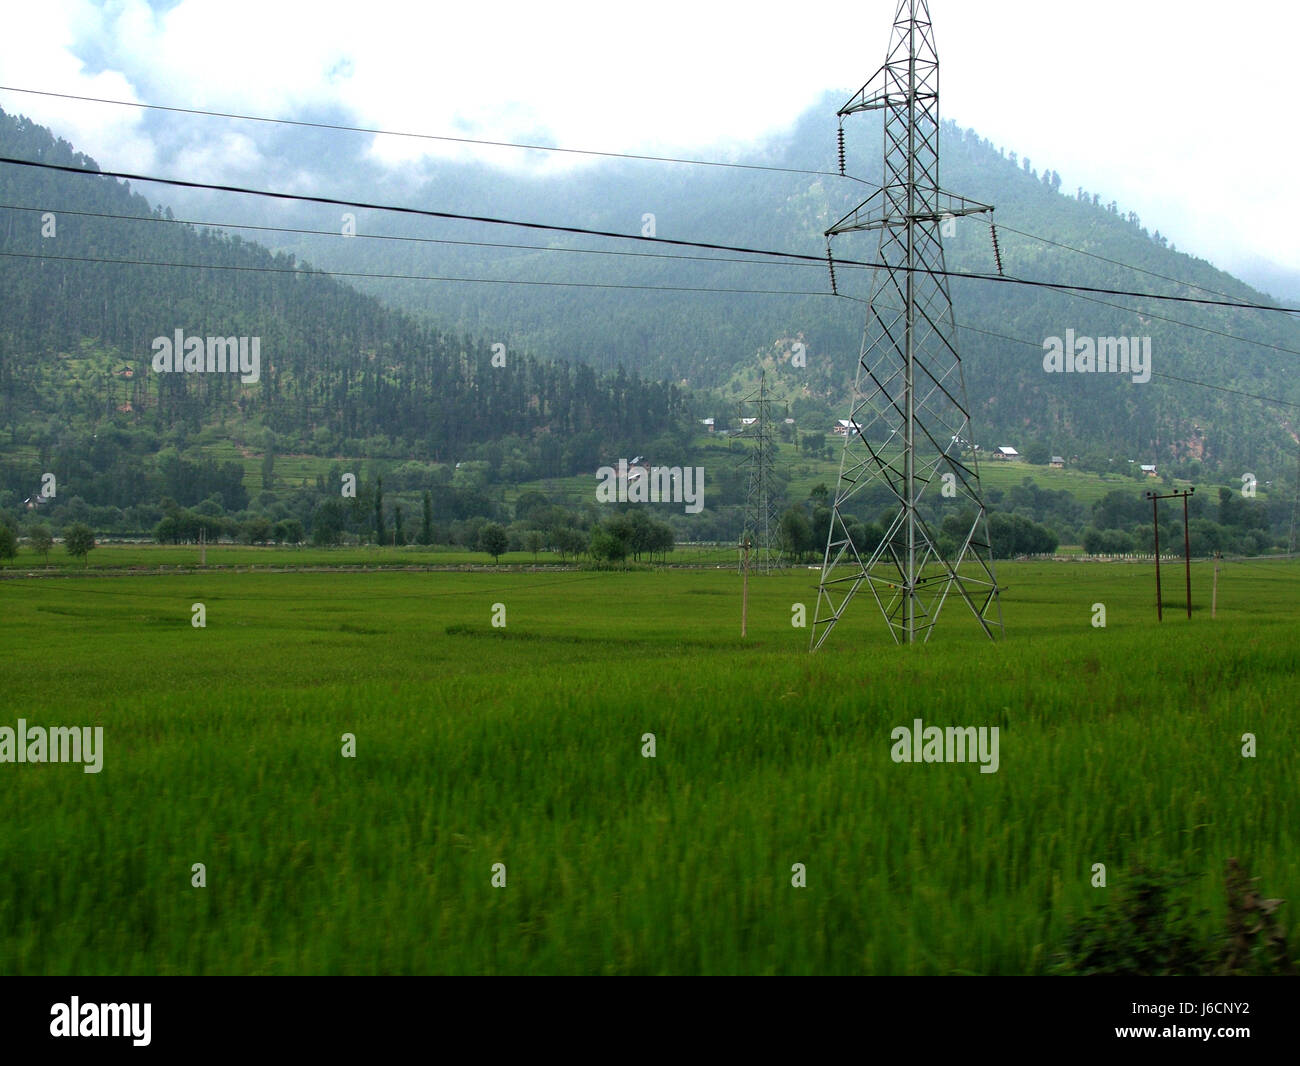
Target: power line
(310,271)
(1105,259)
(456,216)
(552,148)
(431,136)
(1186,325)
(299,271)
(398,237)
(1153,314)
(593,251)
(1154,373)
(419,211)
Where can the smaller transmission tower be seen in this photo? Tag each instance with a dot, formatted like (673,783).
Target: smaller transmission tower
(1295,508)
(760,527)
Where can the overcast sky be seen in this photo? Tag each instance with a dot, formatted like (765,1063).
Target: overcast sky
(1182,110)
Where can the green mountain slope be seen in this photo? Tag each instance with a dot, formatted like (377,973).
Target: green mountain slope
(706,339)
(339,373)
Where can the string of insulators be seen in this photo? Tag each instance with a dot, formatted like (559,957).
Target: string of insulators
(830,262)
(997,251)
(841,147)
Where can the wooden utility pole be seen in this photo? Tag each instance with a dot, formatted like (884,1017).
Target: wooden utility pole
(744,595)
(1155,521)
(1187,552)
(1187,546)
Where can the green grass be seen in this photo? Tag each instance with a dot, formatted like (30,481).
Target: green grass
(127,556)
(806,473)
(522,745)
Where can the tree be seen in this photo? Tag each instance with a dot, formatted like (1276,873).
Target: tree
(399,534)
(327,522)
(268,470)
(380,534)
(660,540)
(78,540)
(568,541)
(493,540)
(257,530)
(8,542)
(1013,535)
(607,545)
(426,523)
(41,540)
(534,542)
(633,529)
(820,532)
(1037,453)
(796,534)
(528,503)
(289,531)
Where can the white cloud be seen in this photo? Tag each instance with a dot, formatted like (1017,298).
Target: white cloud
(37,50)
(1158,105)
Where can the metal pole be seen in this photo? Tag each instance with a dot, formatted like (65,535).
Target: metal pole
(744,596)
(1155,519)
(1187,552)
(909,437)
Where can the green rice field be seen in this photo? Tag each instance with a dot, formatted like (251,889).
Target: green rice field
(523,745)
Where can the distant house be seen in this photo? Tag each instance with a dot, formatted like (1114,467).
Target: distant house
(1149,469)
(748,421)
(1006,454)
(842,427)
(1057,462)
(789,421)
(708,424)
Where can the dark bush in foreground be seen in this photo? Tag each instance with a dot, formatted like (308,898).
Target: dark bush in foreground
(1148,931)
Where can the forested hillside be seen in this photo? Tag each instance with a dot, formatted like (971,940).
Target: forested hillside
(340,373)
(456,394)
(719,339)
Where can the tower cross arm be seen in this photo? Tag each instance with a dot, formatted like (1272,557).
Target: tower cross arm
(937,207)
(866,98)
(882,99)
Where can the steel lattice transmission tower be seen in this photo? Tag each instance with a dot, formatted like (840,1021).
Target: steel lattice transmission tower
(909,421)
(761,528)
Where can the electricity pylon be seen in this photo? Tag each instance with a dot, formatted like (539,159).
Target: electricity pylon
(1295,509)
(909,421)
(760,527)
